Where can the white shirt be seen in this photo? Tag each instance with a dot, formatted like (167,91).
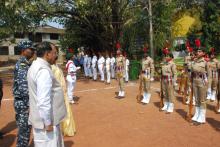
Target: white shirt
(101,60)
(85,60)
(89,61)
(108,63)
(94,60)
(44,87)
(112,61)
(71,68)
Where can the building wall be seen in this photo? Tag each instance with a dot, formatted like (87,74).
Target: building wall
(11,47)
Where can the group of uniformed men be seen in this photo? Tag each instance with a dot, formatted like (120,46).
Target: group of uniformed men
(109,66)
(205,75)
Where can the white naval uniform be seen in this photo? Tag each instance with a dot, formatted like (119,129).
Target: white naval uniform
(101,67)
(108,66)
(126,76)
(112,67)
(89,68)
(71,78)
(85,64)
(94,69)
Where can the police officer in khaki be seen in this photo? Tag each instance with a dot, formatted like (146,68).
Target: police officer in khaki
(212,76)
(146,77)
(120,62)
(169,77)
(200,83)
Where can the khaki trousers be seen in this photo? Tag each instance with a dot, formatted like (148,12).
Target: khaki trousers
(199,91)
(168,91)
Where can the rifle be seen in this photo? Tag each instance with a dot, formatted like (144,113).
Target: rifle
(161,90)
(185,90)
(139,96)
(189,115)
(181,83)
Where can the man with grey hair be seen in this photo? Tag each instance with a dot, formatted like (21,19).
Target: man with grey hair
(47,107)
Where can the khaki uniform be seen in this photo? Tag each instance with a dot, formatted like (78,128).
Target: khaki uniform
(120,62)
(147,73)
(169,76)
(200,70)
(188,69)
(212,78)
(146,78)
(185,74)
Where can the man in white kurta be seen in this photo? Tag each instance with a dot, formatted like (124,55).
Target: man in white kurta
(108,66)
(47,107)
(94,67)
(112,61)
(71,78)
(101,63)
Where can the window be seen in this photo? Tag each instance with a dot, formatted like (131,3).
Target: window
(38,37)
(31,36)
(17,51)
(54,36)
(19,35)
(4,50)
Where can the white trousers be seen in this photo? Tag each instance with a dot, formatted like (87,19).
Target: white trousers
(85,70)
(101,71)
(89,71)
(108,73)
(71,82)
(43,138)
(94,72)
(112,71)
(126,76)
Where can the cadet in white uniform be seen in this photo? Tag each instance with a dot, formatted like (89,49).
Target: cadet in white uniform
(108,66)
(85,65)
(101,66)
(126,76)
(94,67)
(112,66)
(71,77)
(89,62)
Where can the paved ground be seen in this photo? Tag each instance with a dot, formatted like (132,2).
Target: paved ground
(104,121)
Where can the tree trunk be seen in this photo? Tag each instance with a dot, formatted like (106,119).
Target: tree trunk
(151,29)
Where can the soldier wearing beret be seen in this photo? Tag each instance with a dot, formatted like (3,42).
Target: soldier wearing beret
(20,92)
(169,77)
(200,83)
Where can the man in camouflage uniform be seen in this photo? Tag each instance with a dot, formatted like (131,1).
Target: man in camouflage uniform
(169,77)
(200,83)
(212,77)
(20,92)
(146,77)
(120,62)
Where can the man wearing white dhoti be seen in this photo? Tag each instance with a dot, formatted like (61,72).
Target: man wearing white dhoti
(47,107)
